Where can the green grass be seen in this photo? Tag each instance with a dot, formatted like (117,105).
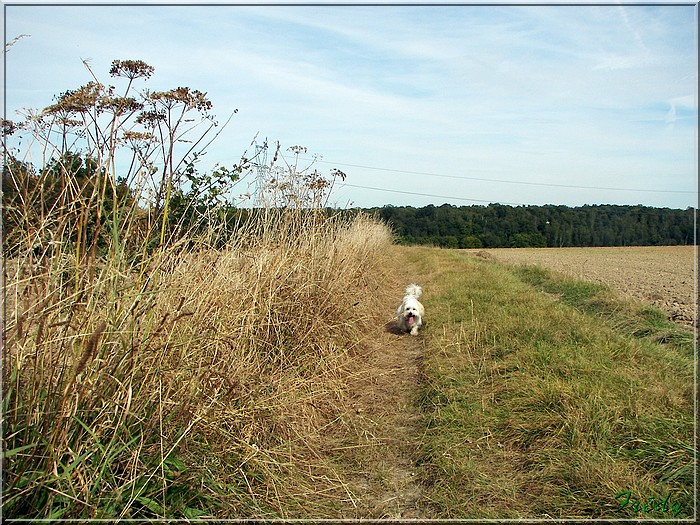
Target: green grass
(535,408)
(627,316)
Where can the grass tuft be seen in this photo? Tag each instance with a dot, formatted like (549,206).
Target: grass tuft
(628,316)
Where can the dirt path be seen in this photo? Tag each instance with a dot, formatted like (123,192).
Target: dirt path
(386,410)
(387,421)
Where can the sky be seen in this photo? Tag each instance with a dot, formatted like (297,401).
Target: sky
(417,105)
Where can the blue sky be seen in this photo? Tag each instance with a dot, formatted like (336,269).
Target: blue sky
(417,104)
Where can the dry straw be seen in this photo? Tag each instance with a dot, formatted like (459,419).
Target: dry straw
(163,357)
(206,370)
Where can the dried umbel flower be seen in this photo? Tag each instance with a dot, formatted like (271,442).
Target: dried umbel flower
(79,100)
(131,69)
(336,173)
(8,128)
(121,105)
(150,119)
(297,149)
(137,136)
(192,98)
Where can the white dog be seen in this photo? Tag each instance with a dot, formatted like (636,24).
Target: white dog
(411,311)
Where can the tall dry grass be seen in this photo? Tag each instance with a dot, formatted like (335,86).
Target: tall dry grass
(145,373)
(191,383)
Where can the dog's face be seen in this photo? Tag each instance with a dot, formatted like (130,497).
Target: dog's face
(410,315)
(411,311)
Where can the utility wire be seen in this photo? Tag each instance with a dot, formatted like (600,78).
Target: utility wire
(498,180)
(345,184)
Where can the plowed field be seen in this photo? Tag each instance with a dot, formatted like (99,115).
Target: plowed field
(663,276)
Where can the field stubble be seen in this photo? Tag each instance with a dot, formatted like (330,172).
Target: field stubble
(661,275)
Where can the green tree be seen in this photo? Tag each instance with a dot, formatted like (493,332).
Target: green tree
(497,225)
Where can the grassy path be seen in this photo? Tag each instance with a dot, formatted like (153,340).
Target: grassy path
(519,401)
(378,452)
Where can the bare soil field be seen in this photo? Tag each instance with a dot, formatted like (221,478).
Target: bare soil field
(663,276)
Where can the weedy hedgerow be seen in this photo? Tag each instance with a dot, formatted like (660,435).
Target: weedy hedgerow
(119,395)
(164,357)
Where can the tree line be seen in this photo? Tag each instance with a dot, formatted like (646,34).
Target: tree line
(503,226)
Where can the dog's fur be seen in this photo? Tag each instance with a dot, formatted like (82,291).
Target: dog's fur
(411,311)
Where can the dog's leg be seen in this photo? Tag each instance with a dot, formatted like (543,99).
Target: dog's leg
(414,330)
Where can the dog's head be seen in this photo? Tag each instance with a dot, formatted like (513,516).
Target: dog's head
(410,311)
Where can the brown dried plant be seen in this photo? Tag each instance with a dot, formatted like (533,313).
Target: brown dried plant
(148,375)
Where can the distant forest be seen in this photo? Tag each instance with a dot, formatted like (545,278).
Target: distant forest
(501,226)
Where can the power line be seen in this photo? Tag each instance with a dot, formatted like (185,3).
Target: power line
(345,184)
(502,181)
